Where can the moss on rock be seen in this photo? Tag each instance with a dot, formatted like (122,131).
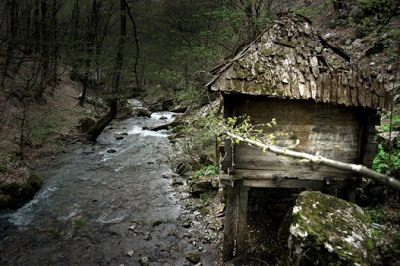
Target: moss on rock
(193,257)
(14,195)
(325,230)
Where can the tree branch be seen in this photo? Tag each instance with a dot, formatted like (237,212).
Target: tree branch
(355,168)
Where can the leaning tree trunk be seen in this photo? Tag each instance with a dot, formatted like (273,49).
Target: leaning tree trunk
(95,131)
(100,125)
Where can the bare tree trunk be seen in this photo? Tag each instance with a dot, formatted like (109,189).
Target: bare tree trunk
(358,169)
(12,20)
(74,32)
(137,46)
(44,49)
(24,120)
(91,36)
(55,48)
(96,130)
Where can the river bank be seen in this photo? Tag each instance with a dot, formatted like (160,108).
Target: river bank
(109,203)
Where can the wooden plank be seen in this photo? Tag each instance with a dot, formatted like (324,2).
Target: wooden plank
(295,84)
(351,194)
(376,87)
(314,66)
(315,134)
(294,111)
(288,183)
(258,160)
(345,151)
(242,221)
(243,174)
(313,88)
(254,103)
(352,79)
(306,129)
(388,100)
(293,183)
(340,90)
(331,130)
(287,120)
(320,89)
(282,163)
(334,88)
(354,96)
(368,95)
(295,92)
(346,93)
(324,147)
(226,162)
(230,226)
(361,93)
(326,83)
(290,91)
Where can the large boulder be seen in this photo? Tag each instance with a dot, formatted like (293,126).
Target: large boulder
(325,230)
(141,111)
(21,188)
(203,184)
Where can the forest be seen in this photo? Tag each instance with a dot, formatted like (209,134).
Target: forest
(69,69)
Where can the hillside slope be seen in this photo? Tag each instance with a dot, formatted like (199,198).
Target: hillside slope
(32,132)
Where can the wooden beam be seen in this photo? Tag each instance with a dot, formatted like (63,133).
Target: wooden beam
(283,183)
(242,221)
(230,228)
(235,230)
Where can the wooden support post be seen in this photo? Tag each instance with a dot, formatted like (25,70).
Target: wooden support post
(230,224)
(333,192)
(352,195)
(242,221)
(235,230)
(217,152)
(351,190)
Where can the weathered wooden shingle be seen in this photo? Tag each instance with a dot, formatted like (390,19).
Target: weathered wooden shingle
(290,60)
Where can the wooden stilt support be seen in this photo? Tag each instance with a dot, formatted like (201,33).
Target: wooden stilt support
(351,193)
(230,224)
(333,192)
(242,221)
(235,221)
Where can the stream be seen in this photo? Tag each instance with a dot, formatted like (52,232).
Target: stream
(111,203)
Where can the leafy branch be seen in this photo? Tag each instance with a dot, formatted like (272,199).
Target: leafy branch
(244,131)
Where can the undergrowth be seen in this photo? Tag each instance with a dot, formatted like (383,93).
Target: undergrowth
(387,161)
(209,170)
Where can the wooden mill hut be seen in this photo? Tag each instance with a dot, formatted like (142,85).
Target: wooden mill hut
(310,87)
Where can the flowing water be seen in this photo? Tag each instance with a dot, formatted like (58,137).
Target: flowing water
(105,204)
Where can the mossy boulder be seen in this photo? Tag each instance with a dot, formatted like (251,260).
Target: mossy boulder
(14,194)
(203,184)
(193,257)
(325,230)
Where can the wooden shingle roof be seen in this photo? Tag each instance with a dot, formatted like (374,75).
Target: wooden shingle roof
(290,60)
